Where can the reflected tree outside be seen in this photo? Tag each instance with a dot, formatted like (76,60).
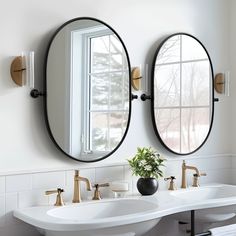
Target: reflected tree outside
(182,101)
(109,93)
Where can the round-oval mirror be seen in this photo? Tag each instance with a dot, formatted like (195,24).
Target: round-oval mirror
(88,89)
(182,92)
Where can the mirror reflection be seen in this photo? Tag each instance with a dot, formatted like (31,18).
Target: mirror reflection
(183,94)
(88,89)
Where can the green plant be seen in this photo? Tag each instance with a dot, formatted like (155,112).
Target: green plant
(146,163)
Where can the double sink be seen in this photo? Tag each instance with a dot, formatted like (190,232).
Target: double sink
(132,216)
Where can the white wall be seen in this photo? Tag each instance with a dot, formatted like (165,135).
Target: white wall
(233,82)
(28,25)
(233,69)
(24,143)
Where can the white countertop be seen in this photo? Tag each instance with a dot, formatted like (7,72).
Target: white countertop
(167,204)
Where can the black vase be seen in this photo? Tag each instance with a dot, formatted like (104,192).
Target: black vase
(147,186)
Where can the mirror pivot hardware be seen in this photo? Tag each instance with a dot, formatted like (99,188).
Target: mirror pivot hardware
(35,93)
(145,97)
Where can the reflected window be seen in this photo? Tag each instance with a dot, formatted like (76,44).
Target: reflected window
(182,102)
(105,94)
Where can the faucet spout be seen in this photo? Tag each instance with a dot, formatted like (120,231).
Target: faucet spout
(184,168)
(88,184)
(77,190)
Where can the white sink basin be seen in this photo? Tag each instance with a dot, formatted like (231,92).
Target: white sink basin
(101,210)
(205,193)
(119,217)
(215,198)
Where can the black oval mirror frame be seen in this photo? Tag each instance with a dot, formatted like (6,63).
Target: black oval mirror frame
(45,89)
(153,96)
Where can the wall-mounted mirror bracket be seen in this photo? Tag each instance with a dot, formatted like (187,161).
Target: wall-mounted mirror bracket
(145,97)
(35,93)
(133,96)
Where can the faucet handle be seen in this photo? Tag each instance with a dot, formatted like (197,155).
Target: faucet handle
(172,183)
(59,200)
(97,195)
(170,178)
(196,179)
(201,174)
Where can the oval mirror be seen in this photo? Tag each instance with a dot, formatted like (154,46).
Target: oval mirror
(88,89)
(183,95)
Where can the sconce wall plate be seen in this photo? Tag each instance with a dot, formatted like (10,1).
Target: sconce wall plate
(136,78)
(220,83)
(17,71)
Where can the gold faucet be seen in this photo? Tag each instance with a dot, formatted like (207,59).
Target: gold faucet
(77,191)
(184,168)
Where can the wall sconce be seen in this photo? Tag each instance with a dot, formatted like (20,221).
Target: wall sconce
(22,72)
(136,78)
(222,81)
(22,69)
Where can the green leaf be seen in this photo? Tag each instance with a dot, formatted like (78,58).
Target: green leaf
(146,163)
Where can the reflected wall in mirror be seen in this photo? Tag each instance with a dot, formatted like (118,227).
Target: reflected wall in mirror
(87,89)
(182,92)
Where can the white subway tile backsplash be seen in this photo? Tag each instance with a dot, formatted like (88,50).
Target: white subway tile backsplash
(69,178)
(134,185)
(11,202)
(109,174)
(216,176)
(11,205)
(128,178)
(88,173)
(2,185)
(49,180)
(32,198)
(17,183)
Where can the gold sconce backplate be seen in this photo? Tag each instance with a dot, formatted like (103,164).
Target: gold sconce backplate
(136,78)
(17,70)
(219,83)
